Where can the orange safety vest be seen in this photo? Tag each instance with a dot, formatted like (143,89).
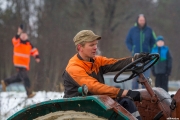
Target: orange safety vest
(22,52)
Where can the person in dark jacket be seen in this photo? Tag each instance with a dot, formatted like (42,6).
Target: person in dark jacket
(162,69)
(140,38)
(87,68)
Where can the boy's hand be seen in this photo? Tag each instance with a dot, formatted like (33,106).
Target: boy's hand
(19,31)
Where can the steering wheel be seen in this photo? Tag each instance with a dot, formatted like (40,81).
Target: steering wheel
(138,66)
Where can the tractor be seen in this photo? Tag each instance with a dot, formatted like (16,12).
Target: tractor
(155,104)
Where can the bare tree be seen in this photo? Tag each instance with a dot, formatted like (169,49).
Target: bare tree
(52,24)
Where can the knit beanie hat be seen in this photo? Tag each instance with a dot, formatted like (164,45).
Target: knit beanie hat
(159,38)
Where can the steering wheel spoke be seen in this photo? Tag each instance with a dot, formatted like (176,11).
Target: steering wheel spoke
(132,75)
(128,70)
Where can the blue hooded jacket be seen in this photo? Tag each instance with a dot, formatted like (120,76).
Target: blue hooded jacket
(164,64)
(140,39)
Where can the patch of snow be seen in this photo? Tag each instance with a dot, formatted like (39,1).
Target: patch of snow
(12,102)
(172,92)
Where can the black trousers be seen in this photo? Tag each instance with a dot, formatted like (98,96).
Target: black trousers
(21,76)
(161,80)
(129,105)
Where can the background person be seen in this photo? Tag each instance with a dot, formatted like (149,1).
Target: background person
(162,69)
(21,59)
(140,38)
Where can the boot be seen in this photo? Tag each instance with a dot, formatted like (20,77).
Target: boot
(3,85)
(31,95)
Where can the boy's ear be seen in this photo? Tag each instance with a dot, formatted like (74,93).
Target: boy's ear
(78,46)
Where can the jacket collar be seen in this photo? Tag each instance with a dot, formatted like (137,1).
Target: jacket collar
(91,59)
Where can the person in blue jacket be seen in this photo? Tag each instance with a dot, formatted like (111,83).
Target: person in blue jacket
(162,69)
(141,38)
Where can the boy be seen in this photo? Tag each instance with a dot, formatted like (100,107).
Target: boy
(162,69)
(86,67)
(23,49)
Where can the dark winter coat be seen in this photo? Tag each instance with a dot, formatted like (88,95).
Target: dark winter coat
(140,40)
(164,64)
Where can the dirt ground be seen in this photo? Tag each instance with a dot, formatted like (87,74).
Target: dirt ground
(69,115)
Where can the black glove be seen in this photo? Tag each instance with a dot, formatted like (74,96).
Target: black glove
(135,95)
(139,55)
(21,26)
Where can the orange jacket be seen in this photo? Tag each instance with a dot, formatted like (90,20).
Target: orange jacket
(22,51)
(79,72)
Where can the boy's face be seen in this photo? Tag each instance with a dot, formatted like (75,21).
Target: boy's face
(89,49)
(160,43)
(24,36)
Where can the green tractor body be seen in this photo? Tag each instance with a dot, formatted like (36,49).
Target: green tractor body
(102,106)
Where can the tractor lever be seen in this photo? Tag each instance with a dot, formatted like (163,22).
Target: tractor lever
(158,116)
(154,97)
